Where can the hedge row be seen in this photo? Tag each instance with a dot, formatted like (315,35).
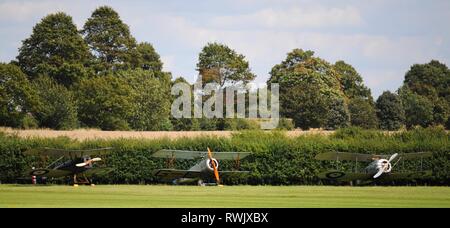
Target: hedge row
(276,160)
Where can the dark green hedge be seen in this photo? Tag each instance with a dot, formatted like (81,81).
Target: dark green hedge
(276,159)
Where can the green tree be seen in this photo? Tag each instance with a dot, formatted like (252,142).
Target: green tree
(352,82)
(56,49)
(105,102)
(151,105)
(363,113)
(110,40)
(307,85)
(338,115)
(17,96)
(390,111)
(305,105)
(57,109)
(148,58)
(418,109)
(220,64)
(431,81)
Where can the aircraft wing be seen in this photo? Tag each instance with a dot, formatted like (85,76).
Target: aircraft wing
(49,173)
(170,174)
(186,154)
(97,171)
(344,176)
(52,152)
(413,156)
(345,156)
(406,175)
(232,173)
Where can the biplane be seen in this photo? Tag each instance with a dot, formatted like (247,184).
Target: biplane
(206,169)
(74,163)
(380,166)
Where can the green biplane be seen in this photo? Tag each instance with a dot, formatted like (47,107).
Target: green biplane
(206,169)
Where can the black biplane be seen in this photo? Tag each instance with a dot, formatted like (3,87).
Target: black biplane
(74,163)
(206,169)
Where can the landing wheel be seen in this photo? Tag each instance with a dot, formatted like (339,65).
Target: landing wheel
(200,183)
(84,181)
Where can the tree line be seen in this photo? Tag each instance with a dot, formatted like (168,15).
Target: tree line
(101,77)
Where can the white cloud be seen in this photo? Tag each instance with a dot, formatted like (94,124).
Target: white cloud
(297,17)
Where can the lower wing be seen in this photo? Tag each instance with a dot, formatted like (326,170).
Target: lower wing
(49,173)
(171,174)
(344,176)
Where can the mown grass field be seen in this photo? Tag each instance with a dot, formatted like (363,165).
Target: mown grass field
(12,196)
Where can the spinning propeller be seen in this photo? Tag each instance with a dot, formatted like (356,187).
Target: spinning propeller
(384,166)
(83,164)
(214,166)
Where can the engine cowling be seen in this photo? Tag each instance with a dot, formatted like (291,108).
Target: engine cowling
(209,164)
(383,166)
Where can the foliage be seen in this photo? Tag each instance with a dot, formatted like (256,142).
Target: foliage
(363,113)
(105,102)
(418,109)
(150,105)
(110,40)
(307,86)
(220,64)
(55,49)
(17,97)
(338,115)
(390,111)
(57,109)
(352,82)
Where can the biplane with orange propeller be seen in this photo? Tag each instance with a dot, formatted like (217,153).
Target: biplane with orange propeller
(379,168)
(79,164)
(206,169)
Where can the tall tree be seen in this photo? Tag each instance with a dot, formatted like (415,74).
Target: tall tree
(17,97)
(57,109)
(220,64)
(150,109)
(109,39)
(352,82)
(105,102)
(390,111)
(148,58)
(363,113)
(431,82)
(418,109)
(56,49)
(307,85)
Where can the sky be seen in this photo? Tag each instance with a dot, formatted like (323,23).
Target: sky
(382,39)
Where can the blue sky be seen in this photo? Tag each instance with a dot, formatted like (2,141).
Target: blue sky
(380,38)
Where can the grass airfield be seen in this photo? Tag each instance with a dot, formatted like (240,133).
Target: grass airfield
(18,196)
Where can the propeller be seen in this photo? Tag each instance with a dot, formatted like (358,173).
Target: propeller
(88,162)
(393,157)
(216,172)
(386,166)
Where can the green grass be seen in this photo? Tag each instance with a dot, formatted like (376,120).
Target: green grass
(229,196)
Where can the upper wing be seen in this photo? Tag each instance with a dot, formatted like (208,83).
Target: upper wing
(343,176)
(49,173)
(418,155)
(345,156)
(186,154)
(176,174)
(52,152)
